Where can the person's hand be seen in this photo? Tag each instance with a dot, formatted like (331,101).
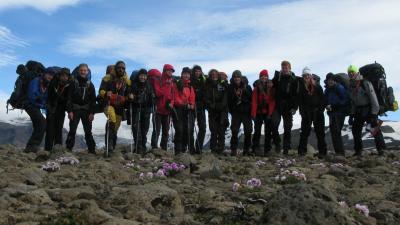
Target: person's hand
(131,96)
(91,117)
(71,116)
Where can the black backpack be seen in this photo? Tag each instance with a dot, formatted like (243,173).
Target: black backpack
(19,98)
(375,73)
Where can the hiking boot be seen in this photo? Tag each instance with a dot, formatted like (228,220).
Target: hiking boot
(31,148)
(278,148)
(285,151)
(357,154)
(92,151)
(234,152)
(380,152)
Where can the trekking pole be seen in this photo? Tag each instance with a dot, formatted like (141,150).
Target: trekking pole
(130,114)
(188,126)
(154,123)
(108,128)
(137,129)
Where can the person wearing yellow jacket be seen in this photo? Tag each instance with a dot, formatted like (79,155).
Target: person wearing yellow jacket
(113,91)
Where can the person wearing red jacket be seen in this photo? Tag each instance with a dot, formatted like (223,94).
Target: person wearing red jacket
(263,110)
(154,76)
(164,93)
(184,101)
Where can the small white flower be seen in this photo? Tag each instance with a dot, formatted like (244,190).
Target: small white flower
(141,176)
(362,209)
(235,187)
(149,175)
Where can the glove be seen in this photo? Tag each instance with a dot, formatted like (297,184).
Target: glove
(373,120)
(71,116)
(91,117)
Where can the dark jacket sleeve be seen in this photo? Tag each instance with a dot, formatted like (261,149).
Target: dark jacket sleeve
(71,90)
(92,99)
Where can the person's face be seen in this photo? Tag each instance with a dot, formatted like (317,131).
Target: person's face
(142,78)
(185,76)
(263,79)
(48,77)
(307,77)
(214,76)
(64,78)
(237,80)
(331,82)
(285,69)
(169,73)
(353,75)
(120,69)
(83,71)
(197,73)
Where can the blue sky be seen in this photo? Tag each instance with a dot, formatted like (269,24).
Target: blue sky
(226,35)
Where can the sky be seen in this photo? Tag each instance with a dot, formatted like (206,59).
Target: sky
(326,36)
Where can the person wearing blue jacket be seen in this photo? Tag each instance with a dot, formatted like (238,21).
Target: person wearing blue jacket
(337,106)
(37,97)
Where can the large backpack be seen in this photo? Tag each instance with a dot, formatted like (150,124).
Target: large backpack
(375,73)
(18,98)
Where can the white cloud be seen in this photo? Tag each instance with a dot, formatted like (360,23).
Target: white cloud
(8,42)
(324,35)
(42,5)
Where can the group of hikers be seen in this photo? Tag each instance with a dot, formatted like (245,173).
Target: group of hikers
(168,100)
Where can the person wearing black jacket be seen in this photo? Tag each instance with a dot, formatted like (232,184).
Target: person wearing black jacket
(56,107)
(312,106)
(198,81)
(216,100)
(80,106)
(142,98)
(239,103)
(286,85)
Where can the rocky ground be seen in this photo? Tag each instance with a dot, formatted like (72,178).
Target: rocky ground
(112,191)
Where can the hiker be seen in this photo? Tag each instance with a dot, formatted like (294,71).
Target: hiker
(337,104)
(264,111)
(364,109)
(198,81)
(37,96)
(216,100)
(184,102)
(80,106)
(239,102)
(286,85)
(311,105)
(154,76)
(164,93)
(114,90)
(56,107)
(141,97)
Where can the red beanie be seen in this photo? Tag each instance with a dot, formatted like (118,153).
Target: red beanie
(154,73)
(264,73)
(168,67)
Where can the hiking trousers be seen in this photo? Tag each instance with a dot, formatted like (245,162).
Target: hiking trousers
(39,126)
(54,128)
(87,127)
(316,118)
